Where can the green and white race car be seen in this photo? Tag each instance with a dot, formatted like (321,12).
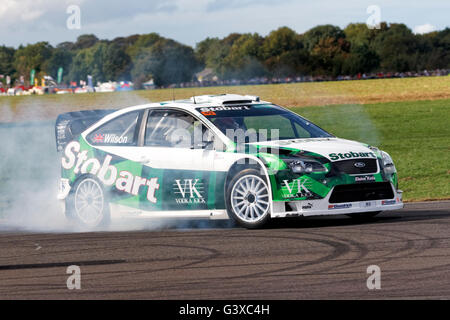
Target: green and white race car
(218,157)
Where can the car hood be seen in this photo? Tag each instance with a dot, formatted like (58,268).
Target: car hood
(334,149)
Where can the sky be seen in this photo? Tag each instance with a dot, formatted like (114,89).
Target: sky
(191,21)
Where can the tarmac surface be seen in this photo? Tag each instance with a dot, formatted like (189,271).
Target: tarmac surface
(310,258)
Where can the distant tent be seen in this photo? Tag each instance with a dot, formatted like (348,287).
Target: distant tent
(206,74)
(149,85)
(125,86)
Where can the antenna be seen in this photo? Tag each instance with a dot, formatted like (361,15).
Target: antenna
(173,94)
(194,99)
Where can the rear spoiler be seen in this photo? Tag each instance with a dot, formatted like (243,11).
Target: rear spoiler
(71,124)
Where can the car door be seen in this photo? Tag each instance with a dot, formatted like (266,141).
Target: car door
(174,150)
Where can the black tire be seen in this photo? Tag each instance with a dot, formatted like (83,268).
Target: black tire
(258,213)
(363,215)
(75,205)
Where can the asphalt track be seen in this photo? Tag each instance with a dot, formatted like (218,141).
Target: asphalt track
(314,258)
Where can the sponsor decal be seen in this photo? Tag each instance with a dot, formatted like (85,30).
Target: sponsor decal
(109,138)
(359,164)
(387,202)
(124,181)
(113,138)
(364,178)
(296,187)
(214,109)
(351,155)
(307,206)
(339,206)
(208,113)
(64,188)
(367,204)
(98,138)
(190,190)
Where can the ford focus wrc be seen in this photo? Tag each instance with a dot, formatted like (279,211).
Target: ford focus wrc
(218,157)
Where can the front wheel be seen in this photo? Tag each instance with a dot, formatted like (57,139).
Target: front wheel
(248,200)
(87,203)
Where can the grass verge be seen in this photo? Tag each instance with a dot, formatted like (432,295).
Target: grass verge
(416,135)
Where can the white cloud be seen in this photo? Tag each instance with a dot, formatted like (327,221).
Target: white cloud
(26,11)
(424,28)
(190,21)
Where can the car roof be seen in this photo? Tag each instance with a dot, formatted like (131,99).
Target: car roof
(200,101)
(189,105)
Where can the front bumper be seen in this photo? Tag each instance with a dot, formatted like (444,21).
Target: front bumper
(282,209)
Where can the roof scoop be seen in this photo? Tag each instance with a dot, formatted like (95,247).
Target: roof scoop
(225,99)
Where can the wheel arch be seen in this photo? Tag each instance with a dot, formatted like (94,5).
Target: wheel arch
(84,176)
(70,199)
(246,163)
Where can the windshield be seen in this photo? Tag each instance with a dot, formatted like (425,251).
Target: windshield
(268,121)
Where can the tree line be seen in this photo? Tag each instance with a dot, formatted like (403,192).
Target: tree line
(323,50)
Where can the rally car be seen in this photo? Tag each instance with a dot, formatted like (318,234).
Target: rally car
(218,157)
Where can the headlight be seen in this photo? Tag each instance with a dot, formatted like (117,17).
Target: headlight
(299,166)
(388,164)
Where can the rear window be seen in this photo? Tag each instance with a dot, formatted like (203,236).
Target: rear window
(119,131)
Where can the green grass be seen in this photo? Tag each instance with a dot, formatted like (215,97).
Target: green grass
(416,135)
(26,108)
(408,118)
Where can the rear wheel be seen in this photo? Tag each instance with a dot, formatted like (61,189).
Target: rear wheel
(248,200)
(87,203)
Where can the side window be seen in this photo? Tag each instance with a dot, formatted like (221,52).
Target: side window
(119,131)
(169,128)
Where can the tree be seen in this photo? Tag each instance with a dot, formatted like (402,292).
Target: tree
(322,50)
(66,45)
(284,53)
(142,42)
(202,48)
(81,65)
(6,60)
(85,41)
(434,50)
(396,46)
(313,36)
(60,57)
(126,41)
(212,53)
(33,56)
(104,62)
(328,56)
(280,41)
(116,62)
(360,60)
(167,62)
(358,34)
(244,58)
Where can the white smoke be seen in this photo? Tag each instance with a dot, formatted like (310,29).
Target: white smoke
(353,120)
(30,172)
